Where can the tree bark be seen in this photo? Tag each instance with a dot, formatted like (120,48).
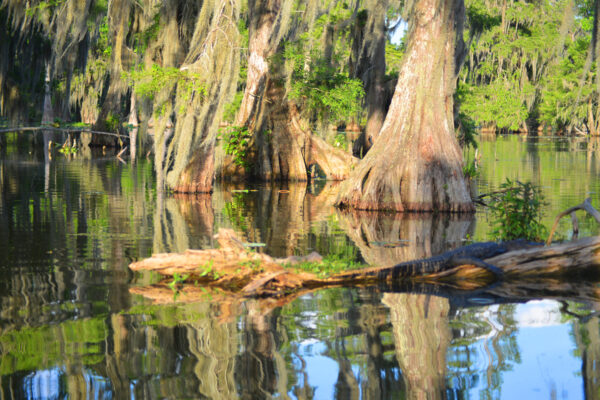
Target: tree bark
(47,112)
(294,148)
(370,68)
(263,14)
(262,42)
(416,163)
(119,12)
(198,175)
(214,56)
(133,123)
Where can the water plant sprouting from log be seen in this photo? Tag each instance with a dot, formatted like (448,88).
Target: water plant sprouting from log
(416,162)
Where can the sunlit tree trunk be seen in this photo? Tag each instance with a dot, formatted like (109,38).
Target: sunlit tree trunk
(197,176)
(133,127)
(47,112)
(262,43)
(263,14)
(212,55)
(416,163)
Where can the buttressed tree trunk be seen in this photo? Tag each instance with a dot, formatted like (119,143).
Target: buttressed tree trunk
(294,148)
(263,15)
(213,56)
(416,163)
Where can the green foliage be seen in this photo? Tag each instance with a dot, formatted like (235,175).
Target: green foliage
(467,131)
(564,99)
(231,109)
(177,281)
(144,38)
(244,43)
(41,7)
(328,266)
(103,45)
(320,87)
(500,103)
(151,81)
(208,271)
(112,122)
(517,211)
(512,47)
(471,170)
(340,140)
(394,53)
(66,149)
(236,142)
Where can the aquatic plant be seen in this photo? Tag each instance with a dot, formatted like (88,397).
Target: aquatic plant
(517,211)
(330,265)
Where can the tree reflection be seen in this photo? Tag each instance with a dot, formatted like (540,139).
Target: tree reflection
(183,222)
(291,218)
(260,369)
(586,332)
(422,337)
(421,323)
(386,239)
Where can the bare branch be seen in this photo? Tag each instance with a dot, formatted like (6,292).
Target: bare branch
(586,206)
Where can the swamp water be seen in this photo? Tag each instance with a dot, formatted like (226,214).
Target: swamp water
(70,327)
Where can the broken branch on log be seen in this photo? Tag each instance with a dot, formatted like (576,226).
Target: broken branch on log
(586,206)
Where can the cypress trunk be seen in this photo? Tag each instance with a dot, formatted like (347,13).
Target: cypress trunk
(370,68)
(416,163)
(294,148)
(261,35)
(263,14)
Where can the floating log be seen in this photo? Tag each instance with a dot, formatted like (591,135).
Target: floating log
(236,269)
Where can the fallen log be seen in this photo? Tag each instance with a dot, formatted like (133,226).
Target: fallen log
(239,271)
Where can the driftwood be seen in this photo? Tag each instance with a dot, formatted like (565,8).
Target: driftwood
(586,206)
(235,270)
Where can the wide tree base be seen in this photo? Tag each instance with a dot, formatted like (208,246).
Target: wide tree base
(384,183)
(197,177)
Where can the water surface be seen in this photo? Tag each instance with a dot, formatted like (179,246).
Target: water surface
(69,326)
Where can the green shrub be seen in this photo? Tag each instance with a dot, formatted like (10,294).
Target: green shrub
(517,211)
(112,123)
(236,142)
